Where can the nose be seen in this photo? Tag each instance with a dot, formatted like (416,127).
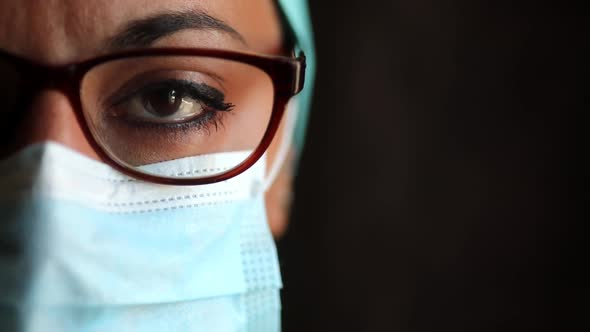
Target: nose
(51,117)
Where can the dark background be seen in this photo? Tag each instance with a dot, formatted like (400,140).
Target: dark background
(436,189)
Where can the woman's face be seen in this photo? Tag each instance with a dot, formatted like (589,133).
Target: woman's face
(57,32)
(65,31)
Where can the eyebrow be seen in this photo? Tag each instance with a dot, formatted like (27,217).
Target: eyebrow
(145,31)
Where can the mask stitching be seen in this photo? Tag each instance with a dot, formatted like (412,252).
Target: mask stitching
(171,199)
(175,207)
(203,170)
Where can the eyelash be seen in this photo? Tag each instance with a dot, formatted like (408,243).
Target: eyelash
(213,102)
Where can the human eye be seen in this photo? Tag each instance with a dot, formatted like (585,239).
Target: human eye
(169,104)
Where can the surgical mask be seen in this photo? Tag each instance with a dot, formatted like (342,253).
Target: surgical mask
(85,248)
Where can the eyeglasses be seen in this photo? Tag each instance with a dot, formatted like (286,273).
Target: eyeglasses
(170,116)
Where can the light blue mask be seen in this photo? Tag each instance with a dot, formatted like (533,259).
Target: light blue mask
(85,248)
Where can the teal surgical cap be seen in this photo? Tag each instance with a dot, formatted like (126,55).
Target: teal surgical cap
(297,14)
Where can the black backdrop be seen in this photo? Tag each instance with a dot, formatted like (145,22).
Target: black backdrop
(435,192)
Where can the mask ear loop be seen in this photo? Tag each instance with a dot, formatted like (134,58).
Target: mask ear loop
(283,150)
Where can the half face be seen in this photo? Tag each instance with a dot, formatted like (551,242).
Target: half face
(146,110)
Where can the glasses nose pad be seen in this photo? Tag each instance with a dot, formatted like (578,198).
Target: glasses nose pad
(48,115)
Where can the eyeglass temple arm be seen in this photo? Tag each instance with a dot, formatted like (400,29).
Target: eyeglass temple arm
(299,73)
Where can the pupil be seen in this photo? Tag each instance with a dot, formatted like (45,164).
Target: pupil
(163,102)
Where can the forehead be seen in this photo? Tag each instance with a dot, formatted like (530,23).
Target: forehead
(61,31)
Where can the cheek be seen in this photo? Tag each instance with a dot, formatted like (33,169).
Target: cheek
(278,198)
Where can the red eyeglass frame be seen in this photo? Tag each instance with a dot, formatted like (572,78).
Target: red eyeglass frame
(286,73)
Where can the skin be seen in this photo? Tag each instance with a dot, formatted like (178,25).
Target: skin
(65,31)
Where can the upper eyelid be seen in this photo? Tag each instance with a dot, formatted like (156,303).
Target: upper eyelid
(132,88)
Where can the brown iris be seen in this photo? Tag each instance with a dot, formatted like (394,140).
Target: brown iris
(163,102)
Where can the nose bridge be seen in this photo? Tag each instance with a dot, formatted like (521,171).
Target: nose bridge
(52,117)
(56,78)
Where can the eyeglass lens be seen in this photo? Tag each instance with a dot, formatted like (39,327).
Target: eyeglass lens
(177,116)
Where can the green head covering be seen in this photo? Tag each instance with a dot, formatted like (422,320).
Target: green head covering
(297,14)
